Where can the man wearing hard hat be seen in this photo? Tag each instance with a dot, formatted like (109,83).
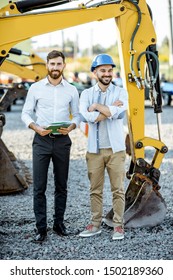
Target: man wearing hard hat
(103,106)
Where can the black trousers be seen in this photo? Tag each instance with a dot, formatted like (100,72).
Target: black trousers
(57,149)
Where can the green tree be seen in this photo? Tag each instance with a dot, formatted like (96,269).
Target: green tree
(164,51)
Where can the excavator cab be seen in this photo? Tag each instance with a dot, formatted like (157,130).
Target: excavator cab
(137,44)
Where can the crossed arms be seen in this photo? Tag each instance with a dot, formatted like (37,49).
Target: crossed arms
(103,109)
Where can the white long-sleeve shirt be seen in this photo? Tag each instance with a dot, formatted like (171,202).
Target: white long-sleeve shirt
(114,123)
(51,103)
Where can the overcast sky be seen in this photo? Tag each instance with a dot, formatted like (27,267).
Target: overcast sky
(93,33)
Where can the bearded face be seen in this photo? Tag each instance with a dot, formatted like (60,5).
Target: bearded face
(55,74)
(104,74)
(55,68)
(105,80)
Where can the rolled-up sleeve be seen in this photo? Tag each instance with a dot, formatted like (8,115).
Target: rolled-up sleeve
(118,112)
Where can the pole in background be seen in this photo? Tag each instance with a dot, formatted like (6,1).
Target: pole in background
(171,33)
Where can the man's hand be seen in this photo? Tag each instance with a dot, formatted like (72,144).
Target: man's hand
(93,107)
(40,130)
(103,109)
(118,103)
(66,130)
(101,117)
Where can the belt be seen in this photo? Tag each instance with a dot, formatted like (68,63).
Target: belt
(51,135)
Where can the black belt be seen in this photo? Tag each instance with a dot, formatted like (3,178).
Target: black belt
(51,135)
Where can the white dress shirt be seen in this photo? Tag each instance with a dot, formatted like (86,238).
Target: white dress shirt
(114,123)
(51,103)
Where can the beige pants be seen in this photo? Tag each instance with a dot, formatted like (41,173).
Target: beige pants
(115,165)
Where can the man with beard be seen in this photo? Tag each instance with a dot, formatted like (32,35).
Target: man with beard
(52,100)
(103,106)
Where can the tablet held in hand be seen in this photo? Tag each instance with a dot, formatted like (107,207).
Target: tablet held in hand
(55,126)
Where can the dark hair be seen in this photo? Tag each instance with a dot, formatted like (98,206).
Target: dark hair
(54,54)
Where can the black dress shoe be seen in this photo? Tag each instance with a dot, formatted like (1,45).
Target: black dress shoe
(40,237)
(60,229)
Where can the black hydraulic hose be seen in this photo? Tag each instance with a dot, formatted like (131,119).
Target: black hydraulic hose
(137,25)
(132,41)
(148,60)
(28,64)
(152,74)
(153,65)
(158,106)
(102,3)
(29,5)
(15,51)
(150,12)
(18,52)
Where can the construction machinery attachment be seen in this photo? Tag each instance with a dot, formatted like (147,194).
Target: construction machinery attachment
(12,180)
(144,205)
(11,93)
(14,175)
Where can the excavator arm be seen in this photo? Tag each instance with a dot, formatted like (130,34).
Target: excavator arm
(34,70)
(24,26)
(137,48)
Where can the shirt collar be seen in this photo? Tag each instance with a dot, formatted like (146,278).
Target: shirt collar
(46,82)
(109,89)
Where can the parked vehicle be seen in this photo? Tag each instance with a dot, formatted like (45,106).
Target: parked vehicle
(167,92)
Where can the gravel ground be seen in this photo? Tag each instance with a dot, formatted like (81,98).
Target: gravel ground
(17,222)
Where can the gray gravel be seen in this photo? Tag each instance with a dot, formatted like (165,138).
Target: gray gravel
(17,222)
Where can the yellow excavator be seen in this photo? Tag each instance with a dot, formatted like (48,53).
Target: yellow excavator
(29,72)
(33,70)
(137,43)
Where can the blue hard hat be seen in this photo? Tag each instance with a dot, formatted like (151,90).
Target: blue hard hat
(102,59)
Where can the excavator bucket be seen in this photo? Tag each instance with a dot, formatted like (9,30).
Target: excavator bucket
(12,180)
(144,205)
